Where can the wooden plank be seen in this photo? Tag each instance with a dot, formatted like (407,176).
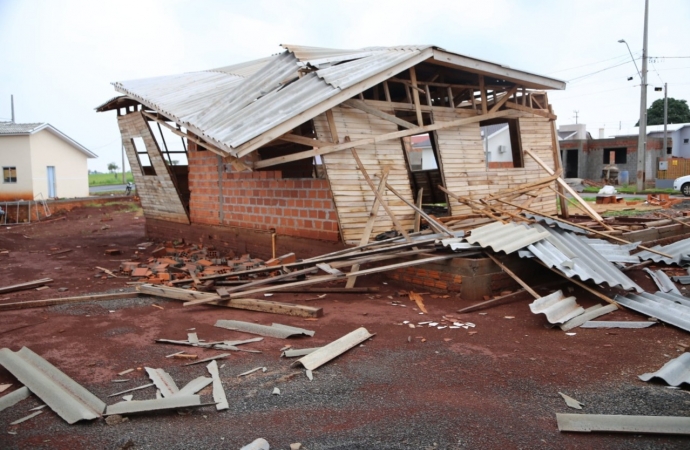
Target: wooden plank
(237,303)
(66,300)
(387,91)
(433,223)
(527,109)
(502,300)
(504,99)
(370,223)
(513,276)
(380,138)
(331,126)
(415,96)
(303,140)
(417,216)
(378,113)
(23,286)
(482,92)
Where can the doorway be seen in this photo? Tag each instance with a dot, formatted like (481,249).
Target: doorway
(51,181)
(571,162)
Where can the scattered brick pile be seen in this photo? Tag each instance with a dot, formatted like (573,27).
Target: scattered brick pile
(172,262)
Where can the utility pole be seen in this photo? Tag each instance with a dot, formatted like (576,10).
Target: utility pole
(12,105)
(642,138)
(576,112)
(665,117)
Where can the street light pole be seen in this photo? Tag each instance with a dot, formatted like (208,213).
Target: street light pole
(665,118)
(642,138)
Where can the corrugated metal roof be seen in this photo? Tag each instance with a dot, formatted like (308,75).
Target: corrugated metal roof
(682,280)
(556,307)
(319,357)
(551,222)
(590,313)
(674,373)
(231,105)
(62,394)
(670,308)
(678,250)
(614,252)
(575,258)
(507,237)
(138,406)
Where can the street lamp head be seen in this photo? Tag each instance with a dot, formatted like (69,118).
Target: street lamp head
(621,41)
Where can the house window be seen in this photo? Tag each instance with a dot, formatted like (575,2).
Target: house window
(143,157)
(502,145)
(9,174)
(686,141)
(615,156)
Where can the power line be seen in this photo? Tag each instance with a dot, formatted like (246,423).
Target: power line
(589,64)
(599,71)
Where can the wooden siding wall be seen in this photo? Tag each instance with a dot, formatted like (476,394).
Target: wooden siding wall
(159,196)
(463,162)
(352,195)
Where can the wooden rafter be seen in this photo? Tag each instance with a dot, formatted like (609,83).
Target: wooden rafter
(358,104)
(504,99)
(296,139)
(381,138)
(482,91)
(527,109)
(415,96)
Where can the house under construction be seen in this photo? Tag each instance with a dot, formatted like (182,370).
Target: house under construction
(292,150)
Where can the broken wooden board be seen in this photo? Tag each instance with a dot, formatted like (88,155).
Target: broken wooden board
(418,300)
(27,285)
(249,304)
(66,300)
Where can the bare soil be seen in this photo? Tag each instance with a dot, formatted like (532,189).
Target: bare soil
(494,385)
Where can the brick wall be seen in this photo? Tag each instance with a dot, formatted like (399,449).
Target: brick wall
(260,200)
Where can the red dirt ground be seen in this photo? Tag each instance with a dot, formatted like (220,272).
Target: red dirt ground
(420,388)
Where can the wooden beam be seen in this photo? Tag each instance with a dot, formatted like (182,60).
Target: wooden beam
(432,223)
(296,139)
(427,92)
(237,303)
(408,85)
(65,300)
(527,109)
(417,217)
(378,113)
(380,138)
(592,213)
(415,96)
(502,300)
(482,91)
(513,276)
(557,164)
(391,214)
(27,285)
(450,97)
(504,99)
(373,214)
(331,126)
(387,91)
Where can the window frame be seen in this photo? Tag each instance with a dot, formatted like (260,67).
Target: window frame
(8,179)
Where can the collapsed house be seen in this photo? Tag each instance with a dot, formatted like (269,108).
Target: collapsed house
(293,150)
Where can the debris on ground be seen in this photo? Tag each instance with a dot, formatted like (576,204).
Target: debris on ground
(571,402)
(674,373)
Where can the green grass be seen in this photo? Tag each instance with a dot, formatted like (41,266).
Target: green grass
(630,212)
(106,179)
(631,189)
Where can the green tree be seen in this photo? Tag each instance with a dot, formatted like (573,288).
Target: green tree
(112,167)
(678,112)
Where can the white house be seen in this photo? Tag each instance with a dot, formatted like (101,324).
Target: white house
(678,136)
(37,160)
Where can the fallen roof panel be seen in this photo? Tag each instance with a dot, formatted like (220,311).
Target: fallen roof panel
(678,252)
(674,373)
(575,258)
(670,308)
(14,397)
(614,324)
(137,406)
(662,281)
(590,313)
(163,381)
(556,307)
(623,424)
(276,330)
(507,237)
(66,397)
(319,357)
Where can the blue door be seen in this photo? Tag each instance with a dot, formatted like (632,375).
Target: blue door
(51,182)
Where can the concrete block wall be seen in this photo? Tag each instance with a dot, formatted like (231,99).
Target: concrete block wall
(260,200)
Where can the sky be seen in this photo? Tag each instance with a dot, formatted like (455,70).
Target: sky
(58,58)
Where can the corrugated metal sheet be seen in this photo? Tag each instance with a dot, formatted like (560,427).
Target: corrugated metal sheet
(64,396)
(138,406)
(678,251)
(613,324)
(275,330)
(507,237)
(575,258)
(590,313)
(662,281)
(556,307)
(14,397)
(163,381)
(551,222)
(614,252)
(674,373)
(319,357)
(670,308)
(623,424)
(682,280)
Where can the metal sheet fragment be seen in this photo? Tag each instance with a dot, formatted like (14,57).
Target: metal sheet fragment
(24,419)
(192,338)
(132,390)
(195,385)
(508,237)
(674,373)
(556,307)
(137,406)
(590,313)
(614,324)
(623,424)
(243,374)
(571,402)
(14,397)
(66,397)
(662,281)
(212,358)
(295,352)
(336,348)
(258,444)
(218,391)
(275,330)
(163,381)
(667,307)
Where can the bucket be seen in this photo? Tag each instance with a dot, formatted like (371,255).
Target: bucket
(623,178)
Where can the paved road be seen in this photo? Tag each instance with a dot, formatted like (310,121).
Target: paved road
(110,187)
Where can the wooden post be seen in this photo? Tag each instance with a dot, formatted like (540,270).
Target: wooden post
(415,96)
(482,91)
